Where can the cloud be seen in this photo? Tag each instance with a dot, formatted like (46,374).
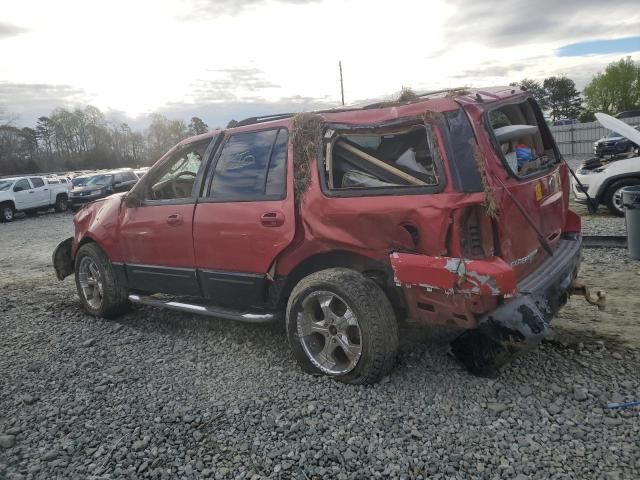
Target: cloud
(230,84)
(32,100)
(211,8)
(525,21)
(8,30)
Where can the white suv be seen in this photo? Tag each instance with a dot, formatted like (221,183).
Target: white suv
(29,194)
(602,180)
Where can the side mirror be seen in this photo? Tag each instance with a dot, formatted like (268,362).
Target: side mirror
(18,189)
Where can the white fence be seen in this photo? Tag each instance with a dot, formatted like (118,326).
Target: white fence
(577,139)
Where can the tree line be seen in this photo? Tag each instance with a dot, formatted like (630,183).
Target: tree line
(83,138)
(615,90)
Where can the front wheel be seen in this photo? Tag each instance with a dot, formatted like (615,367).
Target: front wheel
(100,290)
(341,324)
(6,212)
(613,197)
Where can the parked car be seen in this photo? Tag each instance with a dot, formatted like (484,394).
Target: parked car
(628,114)
(603,180)
(565,121)
(94,187)
(30,194)
(344,223)
(614,144)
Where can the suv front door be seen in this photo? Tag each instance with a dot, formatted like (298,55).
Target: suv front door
(245,217)
(156,234)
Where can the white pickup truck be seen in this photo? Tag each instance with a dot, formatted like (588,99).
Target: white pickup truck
(30,194)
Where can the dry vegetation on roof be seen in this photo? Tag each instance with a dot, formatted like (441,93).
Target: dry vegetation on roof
(306,137)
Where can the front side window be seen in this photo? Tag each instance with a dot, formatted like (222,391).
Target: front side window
(381,159)
(525,143)
(175,178)
(251,166)
(37,182)
(22,184)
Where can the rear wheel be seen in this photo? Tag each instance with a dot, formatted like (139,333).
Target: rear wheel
(61,204)
(613,197)
(6,212)
(341,324)
(100,290)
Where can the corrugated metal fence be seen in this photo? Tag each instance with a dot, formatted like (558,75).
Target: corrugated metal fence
(577,139)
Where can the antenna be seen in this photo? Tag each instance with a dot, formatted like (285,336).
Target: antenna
(341,82)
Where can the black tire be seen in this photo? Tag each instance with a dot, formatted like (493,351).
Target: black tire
(62,203)
(609,198)
(378,337)
(114,293)
(7,212)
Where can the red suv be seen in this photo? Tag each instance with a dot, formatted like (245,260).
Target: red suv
(446,209)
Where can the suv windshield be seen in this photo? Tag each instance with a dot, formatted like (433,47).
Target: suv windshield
(100,180)
(5,184)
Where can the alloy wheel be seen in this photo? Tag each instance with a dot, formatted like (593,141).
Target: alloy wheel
(329,332)
(617,199)
(91,282)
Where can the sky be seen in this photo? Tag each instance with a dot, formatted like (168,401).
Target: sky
(224,59)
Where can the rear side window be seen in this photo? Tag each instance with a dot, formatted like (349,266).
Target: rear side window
(37,182)
(381,159)
(522,138)
(251,166)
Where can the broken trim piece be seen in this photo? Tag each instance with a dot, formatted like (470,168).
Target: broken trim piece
(492,276)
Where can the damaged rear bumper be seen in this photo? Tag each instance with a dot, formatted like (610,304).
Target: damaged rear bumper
(62,259)
(522,322)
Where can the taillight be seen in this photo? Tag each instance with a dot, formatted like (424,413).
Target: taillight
(476,233)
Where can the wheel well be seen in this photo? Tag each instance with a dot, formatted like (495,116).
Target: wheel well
(9,202)
(604,189)
(373,269)
(62,195)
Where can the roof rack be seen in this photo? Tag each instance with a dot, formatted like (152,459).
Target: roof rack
(264,118)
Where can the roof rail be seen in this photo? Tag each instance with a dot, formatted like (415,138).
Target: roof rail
(264,118)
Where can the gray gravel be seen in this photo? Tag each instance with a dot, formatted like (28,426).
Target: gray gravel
(159,394)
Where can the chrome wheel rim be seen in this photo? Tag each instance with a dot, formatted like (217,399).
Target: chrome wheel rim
(617,199)
(7,213)
(91,282)
(329,332)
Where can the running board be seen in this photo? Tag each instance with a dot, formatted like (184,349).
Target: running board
(203,309)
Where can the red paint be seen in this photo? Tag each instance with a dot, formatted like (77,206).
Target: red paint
(491,276)
(276,236)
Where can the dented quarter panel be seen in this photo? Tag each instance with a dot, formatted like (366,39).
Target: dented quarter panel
(99,221)
(491,276)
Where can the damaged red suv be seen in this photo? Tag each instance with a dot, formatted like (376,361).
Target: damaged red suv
(450,208)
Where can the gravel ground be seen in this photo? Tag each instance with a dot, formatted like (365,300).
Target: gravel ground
(160,394)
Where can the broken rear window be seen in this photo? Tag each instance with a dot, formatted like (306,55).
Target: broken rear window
(523,140)
(380,159)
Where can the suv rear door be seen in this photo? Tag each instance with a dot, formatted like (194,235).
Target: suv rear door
(245,216)
(539,185)
(41,192)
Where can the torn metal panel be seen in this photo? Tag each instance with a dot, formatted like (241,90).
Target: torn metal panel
(491,276)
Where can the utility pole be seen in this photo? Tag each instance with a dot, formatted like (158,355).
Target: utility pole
(341,82)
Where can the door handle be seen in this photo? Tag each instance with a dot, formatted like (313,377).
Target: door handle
(46,189)
(272,219)
(174,219)
(31,191)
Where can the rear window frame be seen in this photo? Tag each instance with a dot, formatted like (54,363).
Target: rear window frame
(496,145)
(438,161)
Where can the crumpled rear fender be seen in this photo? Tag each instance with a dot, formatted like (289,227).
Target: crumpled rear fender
(491,276)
